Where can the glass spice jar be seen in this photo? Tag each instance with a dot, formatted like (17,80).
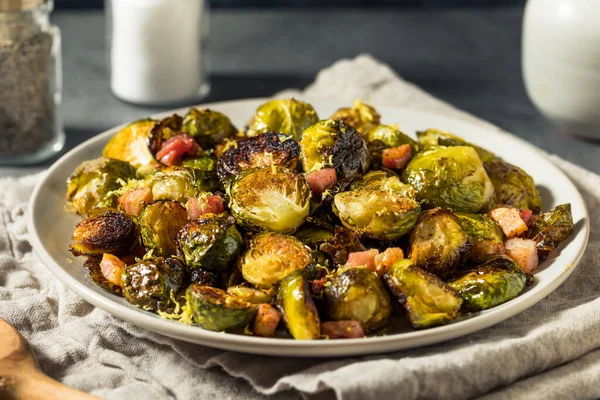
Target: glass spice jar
(30,83)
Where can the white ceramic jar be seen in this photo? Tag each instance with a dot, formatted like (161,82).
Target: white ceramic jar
(561,62)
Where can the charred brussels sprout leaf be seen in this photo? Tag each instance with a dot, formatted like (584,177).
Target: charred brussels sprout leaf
(358,294)
(162,131)
(298,308)
(289,117)
(438,243)
(207,277)
(492,283)
(343,243)
(159,223)
(208,127)
(271,198)
(211,243)
(552,227)
(360,116)
(153,284)
(513,186)
(260,151)
(384,180)
(93,182)
(376,214)
(427,299)
(130,144)
(110,232)
(179,183)
(434,137)
(272,256)
(451,177)
(216,310)
(334,144)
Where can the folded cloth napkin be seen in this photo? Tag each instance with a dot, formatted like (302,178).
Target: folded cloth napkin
(550,351)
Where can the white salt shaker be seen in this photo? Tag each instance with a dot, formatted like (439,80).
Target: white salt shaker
(157,50)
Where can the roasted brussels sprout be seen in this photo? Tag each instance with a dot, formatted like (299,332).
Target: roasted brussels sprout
(109,232)
(270,257)
(494,282)
(159,223)
(130,144)
(550,228)
(208,127)
(384,180)
(434,137)
(179,183)
(298,308)
(202,163)
(211,243)
(92,184)
(376,214)
(251,295)
(341,245)
(271,198)
(207,277)
(289,116)
(358,294)
(485,235)
(438,243)
(451,177)
(334,144)
(260,151)
(216,310)
(513,186)
(382,137)
(360,116)
(153,284)
(427,299)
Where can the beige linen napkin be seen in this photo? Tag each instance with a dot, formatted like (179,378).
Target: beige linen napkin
(550,351)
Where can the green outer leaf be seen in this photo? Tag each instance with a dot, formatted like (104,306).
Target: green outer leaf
(298,308)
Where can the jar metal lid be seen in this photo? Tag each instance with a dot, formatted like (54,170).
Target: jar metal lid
(18,5)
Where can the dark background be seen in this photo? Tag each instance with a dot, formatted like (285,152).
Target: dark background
(79,4)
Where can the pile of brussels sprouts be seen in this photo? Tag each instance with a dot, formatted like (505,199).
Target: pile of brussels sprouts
(296,226)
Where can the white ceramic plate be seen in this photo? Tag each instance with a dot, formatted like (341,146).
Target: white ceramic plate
(50,230)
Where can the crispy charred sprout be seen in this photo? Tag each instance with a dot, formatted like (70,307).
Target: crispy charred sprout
(550,228)
(216,310)
(153,284)
(341,245)
(109,232)
(360,116)
(208,127)
(298,308)
(384,180)
(438,243)
(130,144)
(494,282)
(270,257)
(334,144)
(427,299)
(211,243)
(485,235)
(250,295)
(358,294)
(270,198)
(159,223)
(450,177)
(261,151)
(288,116)
(434,137)
(207,277)
(92,184)
(513,186)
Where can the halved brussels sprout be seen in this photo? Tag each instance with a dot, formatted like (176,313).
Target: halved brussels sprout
(343,243)
(92,184)
(485,235)
(376,214)
(358,294)
(261,151)
(451,177)
(360,116)
(208,127)
(288,116)
(334,144)
(153,284)
(162,131)
(438,243)
(513,186)
(159,223)
(434,137)
(271,198)
(203,163)
(384,180)
(251,295)
(427,299)
(130,144)
(550,228)
(270,257)
(216,310)
(109,232)
(179,183)
(298,308)
(383,137)
(494,282)
(211,243)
